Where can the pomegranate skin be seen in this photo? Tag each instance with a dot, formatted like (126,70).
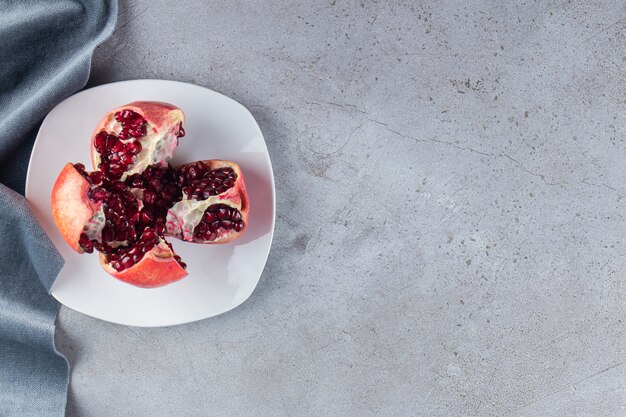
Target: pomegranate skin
(71,209)
(156,269)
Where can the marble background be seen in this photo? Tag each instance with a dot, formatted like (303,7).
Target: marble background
(449,239)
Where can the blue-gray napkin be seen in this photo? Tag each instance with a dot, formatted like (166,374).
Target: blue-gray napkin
(45,56)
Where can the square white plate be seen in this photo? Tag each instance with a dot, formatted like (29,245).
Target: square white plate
(220,276)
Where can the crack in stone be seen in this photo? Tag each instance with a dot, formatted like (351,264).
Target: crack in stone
(462,148)
(593,184)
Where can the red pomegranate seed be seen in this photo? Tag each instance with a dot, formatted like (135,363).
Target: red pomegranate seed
(100,141)
(96,177)
(85,243)
(99,194)
(111,141)
(223,214)
(134,147)
(118,147)
(146,216)
(148,234)
(160,228)
(127,159)
(150,197)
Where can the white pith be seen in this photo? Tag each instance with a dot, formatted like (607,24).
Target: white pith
(183,217)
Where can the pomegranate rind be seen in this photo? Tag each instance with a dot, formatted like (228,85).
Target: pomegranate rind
(160,115)
(235,197)
(71,208)
(156,269)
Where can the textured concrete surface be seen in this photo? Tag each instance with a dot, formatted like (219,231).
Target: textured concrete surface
(450,184)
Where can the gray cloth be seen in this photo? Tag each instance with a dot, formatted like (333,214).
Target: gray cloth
(45,56)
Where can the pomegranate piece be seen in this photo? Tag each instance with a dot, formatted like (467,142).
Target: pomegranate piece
(148,263)
(93,212)
(214,206)
(132,137)
(71,207)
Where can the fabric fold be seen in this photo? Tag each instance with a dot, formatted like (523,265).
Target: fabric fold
(45,56)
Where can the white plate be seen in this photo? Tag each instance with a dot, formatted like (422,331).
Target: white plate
(220,276)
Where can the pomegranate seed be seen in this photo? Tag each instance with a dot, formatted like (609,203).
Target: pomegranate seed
(239,226)
(118,146)
(127,262)
(134,147)
(156,184)
(146,216)
(235,215)
(99,194)
(123,115)
(107,234)
(111,141)
(100,141)
(150,197)
(96,177)
(85,243)
(227,224)
(223,214)
(120,235)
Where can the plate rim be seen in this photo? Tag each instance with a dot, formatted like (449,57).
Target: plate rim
(266,156)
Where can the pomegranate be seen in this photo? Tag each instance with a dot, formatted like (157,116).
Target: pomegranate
(134,200)
(94,212)
(214,206)
(71,207)
(150,262)
(132,137)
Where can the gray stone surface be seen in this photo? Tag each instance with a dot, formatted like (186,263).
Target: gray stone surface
(450,188)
